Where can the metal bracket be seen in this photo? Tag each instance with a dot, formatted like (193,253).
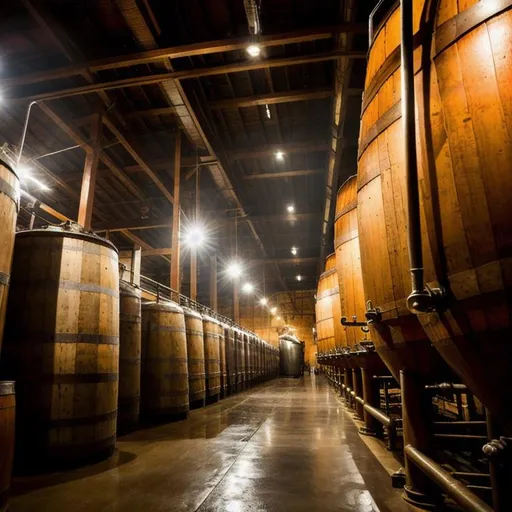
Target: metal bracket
(373,315)
(355,323)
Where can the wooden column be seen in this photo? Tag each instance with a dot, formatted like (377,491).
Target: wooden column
(193,273)
(213,283)
(175,255)
(90,170)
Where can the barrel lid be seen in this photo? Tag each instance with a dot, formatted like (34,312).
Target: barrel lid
(68,229)
(168,306)
(191,312)
(128,289)
(6,387)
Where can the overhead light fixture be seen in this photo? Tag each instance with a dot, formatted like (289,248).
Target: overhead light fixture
(248,288)
(263,301)
(253,50)
(273,310)
(294,251)
(267,111)
(195,236)
(299,278)
(234,269)
(278,318)
(290,208)
(24,173)
(279,156)
(41,185)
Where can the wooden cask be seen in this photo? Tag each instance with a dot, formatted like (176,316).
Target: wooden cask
(212,356)
(223,364)
(164,381)
(382,210)
(7,414)
(229,336)
(195,355)
(9,206)
(464,103)
(330,333)
(61,346)
(247,360)
(240,359)
(129,357)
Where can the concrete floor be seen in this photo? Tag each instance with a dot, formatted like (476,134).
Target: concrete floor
(286,445)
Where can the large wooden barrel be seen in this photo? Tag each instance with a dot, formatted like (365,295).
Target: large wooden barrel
(61,346)
(247,360)
(9,206)
(164,385)
(330,333)
(223,362)
(240,359)
(382,210)
(7,414)
(195,355)
(350,278)
(129,357)
(211,329)
(229,336)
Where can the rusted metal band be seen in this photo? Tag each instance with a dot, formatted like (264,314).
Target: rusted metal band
(96,339)
(347,237)
(85,287)
(196,376)
(130,360)
(10,192)
(6,387)
(327,273)
(78,422)
(328,293)
(162,328)
(80,378)
(196,361)
(452,30)
(131,319)
(195,332)
(348,208)
(4,279)
(382,124)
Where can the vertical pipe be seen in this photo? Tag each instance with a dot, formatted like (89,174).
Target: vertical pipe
(24,133)
(193,273)
(372,398)
(175,255)
(236,300)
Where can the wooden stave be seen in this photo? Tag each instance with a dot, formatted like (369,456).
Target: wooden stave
(195,355)
(130,341)
(164,378)
(212,356)
(223,361)
(7,428)
(239,343)
(231,363)
(40,436)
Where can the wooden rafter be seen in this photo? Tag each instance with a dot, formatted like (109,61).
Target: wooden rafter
(284,174)
(264,151)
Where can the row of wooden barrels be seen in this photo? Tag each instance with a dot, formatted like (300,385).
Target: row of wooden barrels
(89,360)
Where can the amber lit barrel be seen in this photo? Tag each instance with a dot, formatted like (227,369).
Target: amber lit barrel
(247,359)
(229,336)
(9,206)
(61,346)
(7,414)
(211,329)
(240,359)
(164,384)
(129,357)
(382,210)
(328,309)
(195,357)
(223,362)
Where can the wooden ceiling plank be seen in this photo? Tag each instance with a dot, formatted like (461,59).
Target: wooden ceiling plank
(285,174)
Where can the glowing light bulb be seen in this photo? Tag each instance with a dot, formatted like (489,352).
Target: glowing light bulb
(248,288)
(234,269)
(263,301)
(279,156)
(290,208)
(254,50)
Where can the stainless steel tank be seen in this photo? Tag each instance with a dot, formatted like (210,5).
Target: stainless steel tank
(291,355)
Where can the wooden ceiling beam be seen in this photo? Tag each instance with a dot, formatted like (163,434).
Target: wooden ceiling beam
(284,174)
(273,98)
(152,112)
(155,78)
(190,50)
(264,151)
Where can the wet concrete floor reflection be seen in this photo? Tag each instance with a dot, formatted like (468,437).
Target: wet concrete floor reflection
(286,445)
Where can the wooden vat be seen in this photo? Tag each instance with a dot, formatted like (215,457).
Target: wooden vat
(164,384)
(212,356)
(240,359)
(61,346)
(9,206)
(195,357)
(231,362)
(129,357)
(7,414)
(223,361)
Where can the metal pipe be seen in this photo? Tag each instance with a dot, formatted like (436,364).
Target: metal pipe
(469,501)
(447,386)
(24,133)
(380,416)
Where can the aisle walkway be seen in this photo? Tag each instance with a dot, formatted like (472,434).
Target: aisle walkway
(283,446)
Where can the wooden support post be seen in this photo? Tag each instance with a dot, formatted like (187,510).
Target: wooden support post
(92,154)
(193,273)
(213,283)
(175,256)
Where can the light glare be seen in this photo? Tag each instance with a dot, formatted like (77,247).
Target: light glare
(299,278)
(254,50)
(295,251)
(273,310)
(290,208)
(195,236)
(280,156)
(263,301)
(248,288)
(234,269)
(267,111)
